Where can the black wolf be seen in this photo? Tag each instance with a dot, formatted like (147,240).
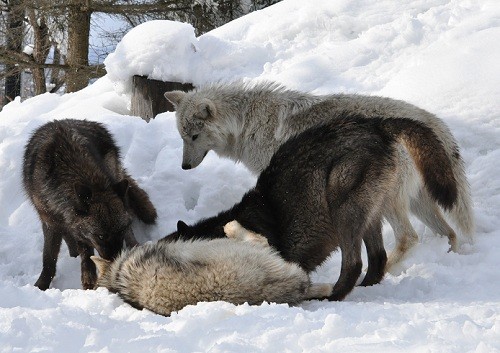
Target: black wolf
(73,176)
(328,187)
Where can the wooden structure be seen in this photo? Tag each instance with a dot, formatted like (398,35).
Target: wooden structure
(148,99)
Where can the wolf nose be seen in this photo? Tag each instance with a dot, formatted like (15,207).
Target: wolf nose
(186,166)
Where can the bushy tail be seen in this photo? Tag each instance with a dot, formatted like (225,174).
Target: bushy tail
(140,203)
(430,158)
(461,213)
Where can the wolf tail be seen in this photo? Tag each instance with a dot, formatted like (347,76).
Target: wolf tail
(140,203)
(461,213)
(430,158)
(439,160)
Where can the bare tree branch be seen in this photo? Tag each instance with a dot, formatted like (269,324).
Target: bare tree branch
(25,61)
(59,31)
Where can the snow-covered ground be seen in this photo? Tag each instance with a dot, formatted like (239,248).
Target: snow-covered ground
(442,55)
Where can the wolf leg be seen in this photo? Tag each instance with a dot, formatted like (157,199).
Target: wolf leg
(140,203)
(429,213)
(377,257)
(71,243)
(349,213)
(404,234)
(235,230)
(89,274)
(51,246)
(351,265)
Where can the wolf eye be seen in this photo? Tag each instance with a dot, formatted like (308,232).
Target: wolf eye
(194,137)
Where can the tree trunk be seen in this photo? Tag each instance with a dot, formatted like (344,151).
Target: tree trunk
(55,80)
(41,49)
(78,45)
(14,42)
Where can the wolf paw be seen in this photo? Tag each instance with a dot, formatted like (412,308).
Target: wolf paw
(236,231)
(233,230)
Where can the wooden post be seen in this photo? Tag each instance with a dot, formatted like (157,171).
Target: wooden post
(148,99)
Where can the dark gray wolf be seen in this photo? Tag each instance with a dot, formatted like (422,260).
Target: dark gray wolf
(328,188)
(166,276)
(248,123)
(73,176)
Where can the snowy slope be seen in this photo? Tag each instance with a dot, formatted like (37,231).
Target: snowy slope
(442,55)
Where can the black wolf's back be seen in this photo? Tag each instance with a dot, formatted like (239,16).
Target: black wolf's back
(318,149)
(68,142)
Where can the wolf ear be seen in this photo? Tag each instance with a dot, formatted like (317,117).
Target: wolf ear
(182,228)
(101,264)
(83,192)
(121,188)
(206,109)
(175,97)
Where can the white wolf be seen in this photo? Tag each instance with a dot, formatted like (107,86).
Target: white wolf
(248,123)
(166,276)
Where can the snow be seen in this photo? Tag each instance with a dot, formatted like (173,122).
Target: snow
(28,49)
(157,49)
(442,55)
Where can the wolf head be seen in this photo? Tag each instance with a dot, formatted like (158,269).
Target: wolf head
(100,218)
(196,117)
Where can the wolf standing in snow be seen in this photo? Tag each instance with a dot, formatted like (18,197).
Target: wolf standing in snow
(73,175)
(166,276)
(329,187)
(248,123)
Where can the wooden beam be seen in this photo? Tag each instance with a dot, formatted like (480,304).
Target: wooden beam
(147,96)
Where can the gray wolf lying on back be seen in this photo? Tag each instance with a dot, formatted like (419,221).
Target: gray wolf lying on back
(165,277)
(328,187)
(248,123)
(73,176)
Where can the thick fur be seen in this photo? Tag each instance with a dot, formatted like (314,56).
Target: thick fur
(73,175)
(328,188)
(248,123)
(165,277)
